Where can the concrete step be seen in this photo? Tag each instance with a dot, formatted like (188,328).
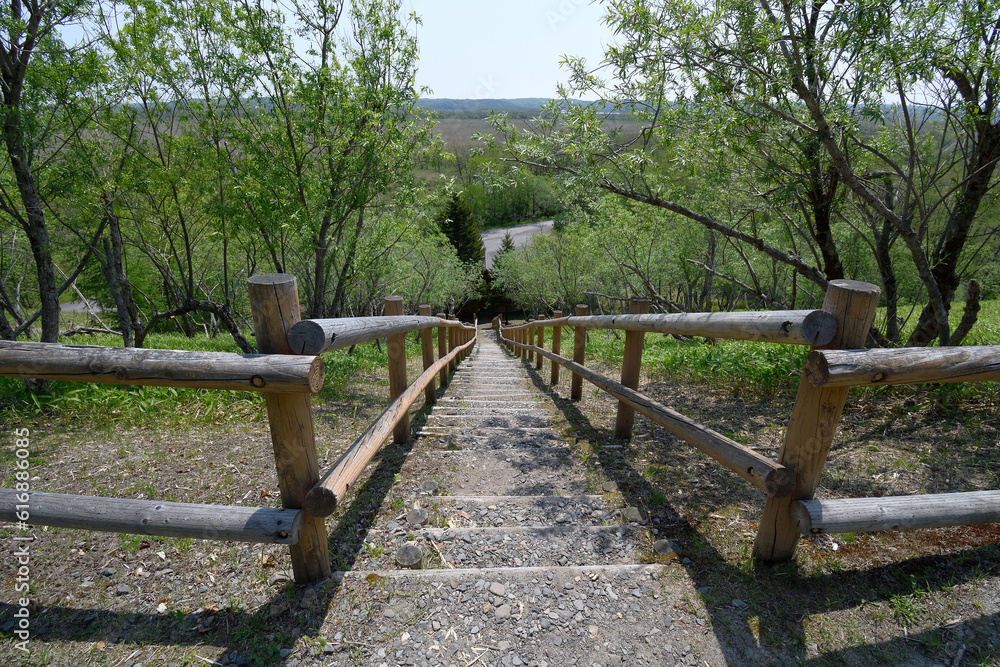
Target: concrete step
(515,546)
(498,511)
(497,472)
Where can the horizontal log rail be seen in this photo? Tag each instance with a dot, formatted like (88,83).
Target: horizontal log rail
(853,368)
(162,368)
(153,517)
(316,336)
(799,327)
(324,497)
(857,515)
(760,471)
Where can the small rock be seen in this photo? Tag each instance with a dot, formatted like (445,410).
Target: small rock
(498,589)
(503,612)
(122,590)
(665,548)
(632,514)
(285,652)
(609,487)
(812,650)
(417,516)
(740,604)
(278,579)
(107,572)
(409,556)
(430,486)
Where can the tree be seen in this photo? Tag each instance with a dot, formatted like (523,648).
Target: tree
(791,99)
(506,244)
(457,222)
(330,141)
(44,88)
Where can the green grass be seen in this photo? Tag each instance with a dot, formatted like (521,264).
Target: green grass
(764,368)
(740,365)
(103,406)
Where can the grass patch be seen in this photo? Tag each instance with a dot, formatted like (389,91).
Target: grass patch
(105,406)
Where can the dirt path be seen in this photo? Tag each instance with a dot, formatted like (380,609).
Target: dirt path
(525,562)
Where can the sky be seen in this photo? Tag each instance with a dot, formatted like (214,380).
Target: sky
(476,49)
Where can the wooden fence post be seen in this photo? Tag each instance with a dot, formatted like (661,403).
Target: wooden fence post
(274,304)
(579,352)
(396,345)
(814,420)
(442,350)
(452,344)
(631,367)
(541,343)
(531,340)
(427,350)
(556,339)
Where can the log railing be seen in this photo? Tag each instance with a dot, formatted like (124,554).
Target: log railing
(287,379)
(830,369)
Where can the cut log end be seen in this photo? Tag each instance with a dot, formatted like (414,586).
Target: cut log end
(780,482)
(819,328)
(320,502)
(307,337)
(817,369)
(317,375)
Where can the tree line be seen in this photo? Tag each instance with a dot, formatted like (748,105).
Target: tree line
(782,146)
(172,148)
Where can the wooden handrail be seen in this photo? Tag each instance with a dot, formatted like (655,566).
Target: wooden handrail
(324,497)
(799,327)
(856,515)
(316,336)
(760,471)
(913,365)
(155,517)
(162,368)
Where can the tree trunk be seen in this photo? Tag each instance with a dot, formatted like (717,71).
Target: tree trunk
(35,228)
(951,243)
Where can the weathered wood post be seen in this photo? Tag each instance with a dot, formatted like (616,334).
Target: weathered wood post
(579,352)
(540,343)
(396,345)
(442,350)
(274,304)
(531,340)
(631,368)
(814,420)
(556,339)
(427,351)
(452,344)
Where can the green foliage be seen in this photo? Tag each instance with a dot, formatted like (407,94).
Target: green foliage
(743,366)
(457,221)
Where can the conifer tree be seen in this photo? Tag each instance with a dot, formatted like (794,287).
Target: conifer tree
(458,223)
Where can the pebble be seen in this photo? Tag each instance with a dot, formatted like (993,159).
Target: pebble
(107,572)
(122,590)
(503,612)
(417,516)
